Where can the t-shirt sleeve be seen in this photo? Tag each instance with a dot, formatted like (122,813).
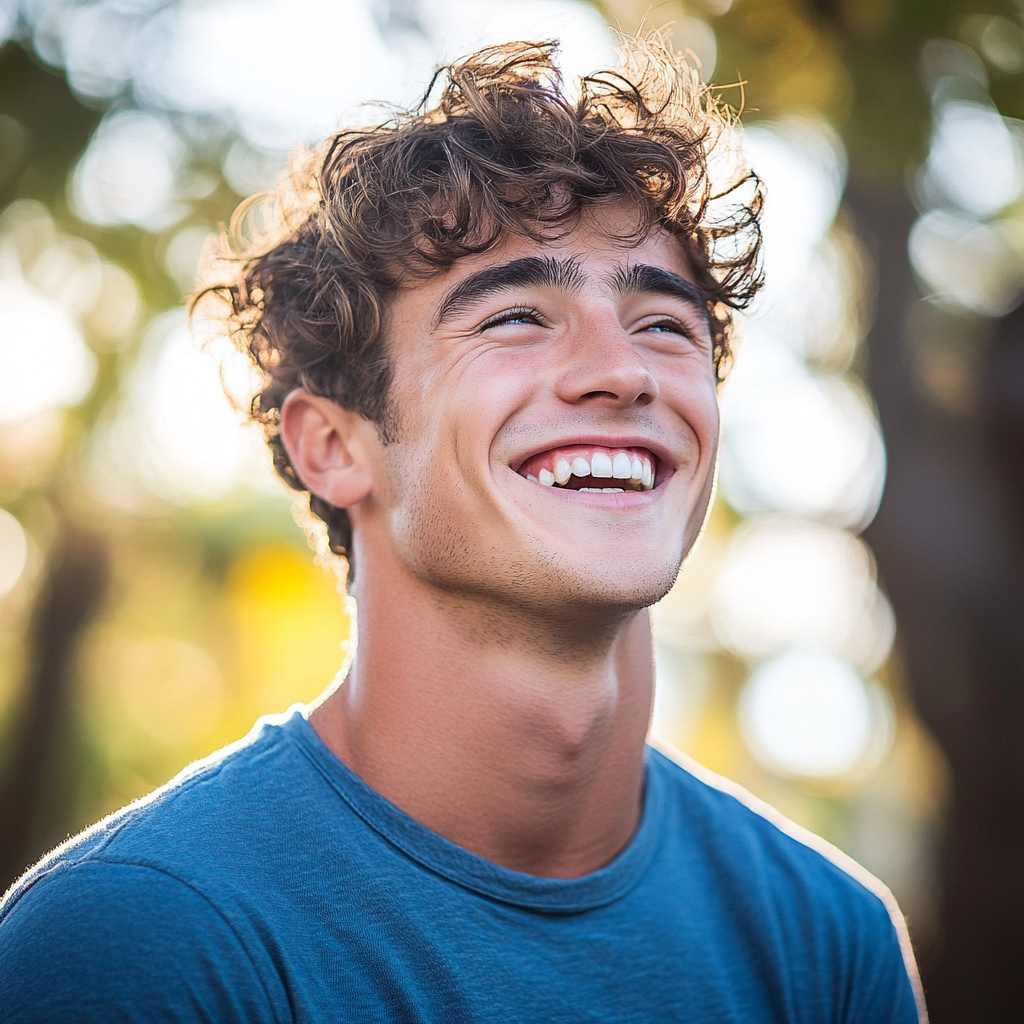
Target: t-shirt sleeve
(114,942)
(883,989)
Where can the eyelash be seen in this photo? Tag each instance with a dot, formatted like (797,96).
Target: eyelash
(673,326)
(508,315)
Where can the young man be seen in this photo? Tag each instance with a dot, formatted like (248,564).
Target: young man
(490,335)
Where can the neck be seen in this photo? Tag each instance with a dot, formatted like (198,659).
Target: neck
(514,736)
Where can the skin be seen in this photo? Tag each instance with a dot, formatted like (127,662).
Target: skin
(502,689)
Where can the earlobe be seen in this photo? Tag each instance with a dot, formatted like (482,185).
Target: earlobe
(325,445)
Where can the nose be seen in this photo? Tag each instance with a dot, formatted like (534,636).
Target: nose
(604,366)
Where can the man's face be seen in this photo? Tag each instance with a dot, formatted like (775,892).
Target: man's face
(557,422)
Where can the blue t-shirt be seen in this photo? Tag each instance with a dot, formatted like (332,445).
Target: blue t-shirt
(269,883)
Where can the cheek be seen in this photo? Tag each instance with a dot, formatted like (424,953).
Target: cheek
(711,419)
(466,393)
(483,395)
(441,462)
(418,509)
(695,401)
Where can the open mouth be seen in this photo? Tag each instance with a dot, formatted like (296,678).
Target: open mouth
(593,468)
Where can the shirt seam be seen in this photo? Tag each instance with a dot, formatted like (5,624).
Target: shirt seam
(103,832)
(126,862)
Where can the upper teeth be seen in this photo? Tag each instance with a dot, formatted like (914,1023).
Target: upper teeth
(600,465)
(623,466)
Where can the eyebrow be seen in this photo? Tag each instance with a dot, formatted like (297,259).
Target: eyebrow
(526,272)
(642,277)
(547,271)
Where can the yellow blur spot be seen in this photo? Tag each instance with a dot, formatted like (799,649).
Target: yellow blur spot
(715,742)
(171,689)
(289,624)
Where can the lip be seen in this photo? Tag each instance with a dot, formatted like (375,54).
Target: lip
(666,463)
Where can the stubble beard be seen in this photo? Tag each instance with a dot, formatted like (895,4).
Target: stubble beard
(538,598)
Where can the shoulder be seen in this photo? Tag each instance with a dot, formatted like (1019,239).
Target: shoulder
(813,885)
(142,902)
(736,820)
(95,940)
(186,823)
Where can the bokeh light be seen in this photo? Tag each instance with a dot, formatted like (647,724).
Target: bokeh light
(127,174)
(809,713)
(55,289)
(350,52)
(1000,40)
(803,165)
(116,311)
(681,684)
(968,244)
(13,551)
(181,257)
(798,441)
(792,583)
(44,361)
(974,265)
(797,438)
(68,271)
(973,159)
(177,433)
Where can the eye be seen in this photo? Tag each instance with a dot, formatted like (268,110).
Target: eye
(668,327)
(519,315)
(672,330)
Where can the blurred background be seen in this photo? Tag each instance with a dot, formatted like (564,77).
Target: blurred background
(847,640)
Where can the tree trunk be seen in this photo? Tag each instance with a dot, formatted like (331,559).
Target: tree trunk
(37,785)
(948,540)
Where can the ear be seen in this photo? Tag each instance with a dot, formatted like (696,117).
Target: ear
(327,447)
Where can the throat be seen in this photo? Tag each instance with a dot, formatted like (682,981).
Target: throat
(519,760)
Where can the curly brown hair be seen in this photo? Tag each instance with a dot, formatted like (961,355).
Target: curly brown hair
(503,151)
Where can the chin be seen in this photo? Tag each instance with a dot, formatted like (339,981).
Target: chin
(618,588)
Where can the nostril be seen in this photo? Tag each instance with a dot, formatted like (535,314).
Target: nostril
(644,398)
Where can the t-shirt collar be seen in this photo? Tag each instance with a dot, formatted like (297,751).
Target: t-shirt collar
(444,858)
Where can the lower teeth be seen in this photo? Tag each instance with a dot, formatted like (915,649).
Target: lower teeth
(603,490)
